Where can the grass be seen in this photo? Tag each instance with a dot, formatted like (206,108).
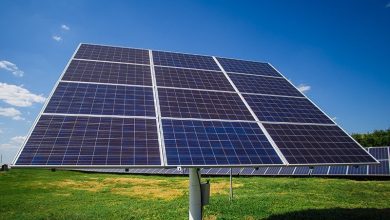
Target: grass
(41,194)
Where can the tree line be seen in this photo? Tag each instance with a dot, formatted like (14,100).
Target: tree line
(373,139)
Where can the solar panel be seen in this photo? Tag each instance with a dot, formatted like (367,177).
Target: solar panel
(195,79)
(247,171)
(260,171)
(285,109)
(184,60)
(123,107)
(98,99)
(114,54)
(381,169)
(320,170)
(216,143)
(338,170)
(180,103)
(105,72)
(286,171)
(316,144)
(358,170)
(76,140)
(380,153)
(301,171)
(242,66)
(264,85)
(273,171)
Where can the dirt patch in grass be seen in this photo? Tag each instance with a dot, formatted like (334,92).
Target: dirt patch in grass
(143,188)
(147,192)
(210,217)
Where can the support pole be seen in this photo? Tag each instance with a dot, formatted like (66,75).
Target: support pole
(231,186)
(195,212)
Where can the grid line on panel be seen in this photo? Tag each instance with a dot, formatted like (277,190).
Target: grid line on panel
(243,66)
(105,72)
(216,143)
(99,83)
(79,98)
(161,58)
(70,140)
(109,53)
(158,111)
(195,79)
(179,103)
(285,109)
(264,85)
(316,144)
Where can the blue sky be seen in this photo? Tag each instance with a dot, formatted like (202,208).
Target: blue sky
(339,51)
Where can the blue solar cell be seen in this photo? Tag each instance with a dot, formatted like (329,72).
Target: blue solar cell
(381,169)
(184,60)
(195,79)
(242,66)
(301,171)
(116,54)
(285,109)
(71,140)
(105,72)
(316,144)
(287,171)
(260,171)
(264,85)
(273,171)
(358,170)
(247,171)
(320,170)
(380,153)
(180,103)
(98,99)
(216,143)
(338,170)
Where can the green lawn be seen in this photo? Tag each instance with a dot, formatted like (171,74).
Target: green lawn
(42,194)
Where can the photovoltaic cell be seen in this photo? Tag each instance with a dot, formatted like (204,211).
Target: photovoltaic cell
(105,72)
(320,170)
(195,79)
(273,171)
(287,171)
(72,140)
(115,54)
(301,171)
(358,170)
(263,85)
(251,67)
(285,109)
(216,143)
(381,169)
(380,153)
(98,99)
(338,170)
(179,103)
(184,60)
(316,144)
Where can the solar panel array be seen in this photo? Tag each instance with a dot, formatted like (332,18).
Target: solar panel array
(125,107)
(381,170)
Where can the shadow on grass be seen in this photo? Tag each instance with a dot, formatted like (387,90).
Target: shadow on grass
(336,213)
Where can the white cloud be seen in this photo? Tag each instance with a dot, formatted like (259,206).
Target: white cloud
(304,88)
(57,38)
(388,5)
(14,142)
(18,96)
(65,27)
(11,112)
(11,67)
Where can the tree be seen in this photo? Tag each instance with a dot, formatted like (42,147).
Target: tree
(376,138)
